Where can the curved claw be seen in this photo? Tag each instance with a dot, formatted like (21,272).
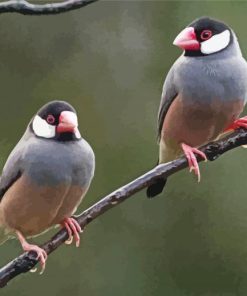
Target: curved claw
(70,239)
(192,161)
(240,122)
(73,228)
(41,253)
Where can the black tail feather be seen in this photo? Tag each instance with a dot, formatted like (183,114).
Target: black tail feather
(156,188)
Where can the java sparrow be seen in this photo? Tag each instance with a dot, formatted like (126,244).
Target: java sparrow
(45,177)
(203,93)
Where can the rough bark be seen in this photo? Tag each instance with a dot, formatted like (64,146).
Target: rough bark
(27,261)
(26,8)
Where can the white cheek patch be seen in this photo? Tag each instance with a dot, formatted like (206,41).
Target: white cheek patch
(216,43)
(77,134)
(42,129)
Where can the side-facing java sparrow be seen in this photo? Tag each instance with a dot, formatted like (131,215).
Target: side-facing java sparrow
(45,177)
(203,94)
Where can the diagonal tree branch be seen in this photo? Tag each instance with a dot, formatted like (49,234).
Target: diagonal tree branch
(24,7)
(27,261)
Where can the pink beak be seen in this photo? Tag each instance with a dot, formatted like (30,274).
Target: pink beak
(187,39)
(67,122)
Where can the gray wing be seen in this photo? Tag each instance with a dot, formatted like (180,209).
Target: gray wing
(12,170)
(169,93)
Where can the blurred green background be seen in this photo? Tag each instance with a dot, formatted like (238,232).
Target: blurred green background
(109,60)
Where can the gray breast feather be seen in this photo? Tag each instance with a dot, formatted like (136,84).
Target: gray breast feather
(203,80)
(52,163)
(49,163)
(209,79)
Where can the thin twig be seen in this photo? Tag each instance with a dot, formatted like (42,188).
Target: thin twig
(24,7)
(27,261)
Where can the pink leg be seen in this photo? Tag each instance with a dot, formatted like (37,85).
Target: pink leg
(241,122)
(192,161)
(73,228)
(42,256)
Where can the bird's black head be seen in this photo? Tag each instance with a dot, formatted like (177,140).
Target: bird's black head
(204,36)
(56,120)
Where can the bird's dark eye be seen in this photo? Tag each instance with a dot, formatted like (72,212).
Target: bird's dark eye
(50,119)
(206,34)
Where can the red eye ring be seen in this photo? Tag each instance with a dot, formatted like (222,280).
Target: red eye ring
(50,119)
(206,34)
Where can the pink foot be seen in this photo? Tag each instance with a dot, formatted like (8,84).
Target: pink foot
(241,122)
(73,229)
(192,161)
(41,253)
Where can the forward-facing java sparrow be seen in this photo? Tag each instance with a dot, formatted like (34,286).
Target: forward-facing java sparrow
(203,94)
(45,177)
